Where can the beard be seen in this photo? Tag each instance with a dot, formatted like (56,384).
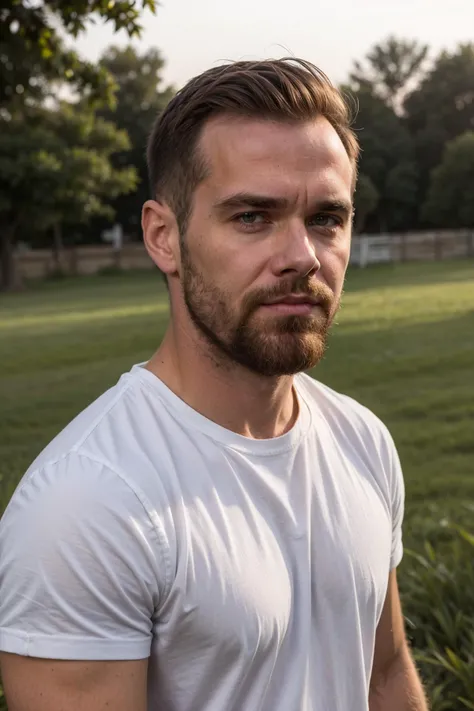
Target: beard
(270,346)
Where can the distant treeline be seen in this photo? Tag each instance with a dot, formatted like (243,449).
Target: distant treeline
(68,169)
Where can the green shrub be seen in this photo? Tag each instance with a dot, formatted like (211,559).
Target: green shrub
(437,588)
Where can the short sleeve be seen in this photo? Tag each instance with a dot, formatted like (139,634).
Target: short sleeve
(81,565)
(397,495)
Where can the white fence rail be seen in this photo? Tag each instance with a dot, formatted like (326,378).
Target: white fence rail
(366,250)
(371,249)
(448,244)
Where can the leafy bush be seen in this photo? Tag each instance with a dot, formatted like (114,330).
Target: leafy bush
(437,588)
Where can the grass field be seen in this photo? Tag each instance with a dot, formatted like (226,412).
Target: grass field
(404,346)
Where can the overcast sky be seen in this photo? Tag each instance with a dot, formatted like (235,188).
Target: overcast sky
(194,35)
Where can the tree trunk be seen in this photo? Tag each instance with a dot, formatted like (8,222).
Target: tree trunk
(10,276)
(57,247)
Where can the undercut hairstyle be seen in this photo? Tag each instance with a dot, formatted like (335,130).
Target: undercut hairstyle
(288,90)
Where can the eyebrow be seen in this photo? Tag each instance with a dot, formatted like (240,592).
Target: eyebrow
(265,202)
(343,207)
(240,200)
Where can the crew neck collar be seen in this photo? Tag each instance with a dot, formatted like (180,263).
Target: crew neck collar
(191,418)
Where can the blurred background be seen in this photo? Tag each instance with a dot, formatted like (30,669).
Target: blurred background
(80,85)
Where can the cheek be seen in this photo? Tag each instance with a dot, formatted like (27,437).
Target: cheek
(334,263)
(239,268)
(223,272)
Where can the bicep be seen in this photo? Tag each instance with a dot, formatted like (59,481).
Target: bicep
(33,684)
(390,638)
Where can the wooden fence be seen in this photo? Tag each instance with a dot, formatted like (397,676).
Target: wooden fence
(366,249)
(408,247)
(41,263)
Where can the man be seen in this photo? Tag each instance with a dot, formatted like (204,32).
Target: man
(219,531)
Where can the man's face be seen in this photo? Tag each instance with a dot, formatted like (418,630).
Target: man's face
(268,242)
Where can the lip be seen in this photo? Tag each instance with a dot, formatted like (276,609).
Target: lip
(295,299)
(293,305)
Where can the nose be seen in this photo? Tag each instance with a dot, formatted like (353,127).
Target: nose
(295,252)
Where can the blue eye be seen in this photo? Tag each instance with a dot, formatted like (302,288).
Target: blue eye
(323,220)
(250,218)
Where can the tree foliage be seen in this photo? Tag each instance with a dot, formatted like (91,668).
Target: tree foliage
(33,52)
(450,201)
(55,168)
(387,158)
(366,200)
(441,107)
(389,69)
(138,100)
(407,114)
(56,163)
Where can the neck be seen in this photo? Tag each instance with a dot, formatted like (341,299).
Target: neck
(228,394)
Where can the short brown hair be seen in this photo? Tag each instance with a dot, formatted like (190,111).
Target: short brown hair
(288,89)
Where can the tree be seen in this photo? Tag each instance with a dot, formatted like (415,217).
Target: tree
(450,200)
(32,49)
(366,200)
(441,108)
(389,68)
(387,159)
(55,168)
(34,63)
(401,194)
(138,100)
(86,181)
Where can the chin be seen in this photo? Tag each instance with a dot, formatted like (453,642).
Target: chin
(284,357)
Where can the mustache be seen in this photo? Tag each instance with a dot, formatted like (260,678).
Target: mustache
(296,286)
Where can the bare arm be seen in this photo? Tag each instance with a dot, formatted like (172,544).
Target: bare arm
(33,684)
(395,684)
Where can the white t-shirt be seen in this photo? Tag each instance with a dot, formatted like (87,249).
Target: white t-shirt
(252,573)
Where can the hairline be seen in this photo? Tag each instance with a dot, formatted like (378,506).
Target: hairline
(200,161)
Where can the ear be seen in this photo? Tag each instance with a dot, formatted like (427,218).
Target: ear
(161,236)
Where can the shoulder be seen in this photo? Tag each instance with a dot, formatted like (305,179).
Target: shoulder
(104,471)
(84,564)
(80,515)
(355,430)
(125,430)
(344,412)
(97,477)
(106,412)
(78,492)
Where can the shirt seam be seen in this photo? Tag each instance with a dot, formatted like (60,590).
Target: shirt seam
(145,504)
(138,493)
(103,413)
(78,442)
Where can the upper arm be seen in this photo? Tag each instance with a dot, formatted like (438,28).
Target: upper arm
(390,638)
(33,684)
(81,567)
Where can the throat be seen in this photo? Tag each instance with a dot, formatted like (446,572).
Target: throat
(244,403)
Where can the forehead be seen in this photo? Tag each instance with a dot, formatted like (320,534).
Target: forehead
(263,155)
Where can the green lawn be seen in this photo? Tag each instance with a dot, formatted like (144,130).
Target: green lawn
(404,346)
